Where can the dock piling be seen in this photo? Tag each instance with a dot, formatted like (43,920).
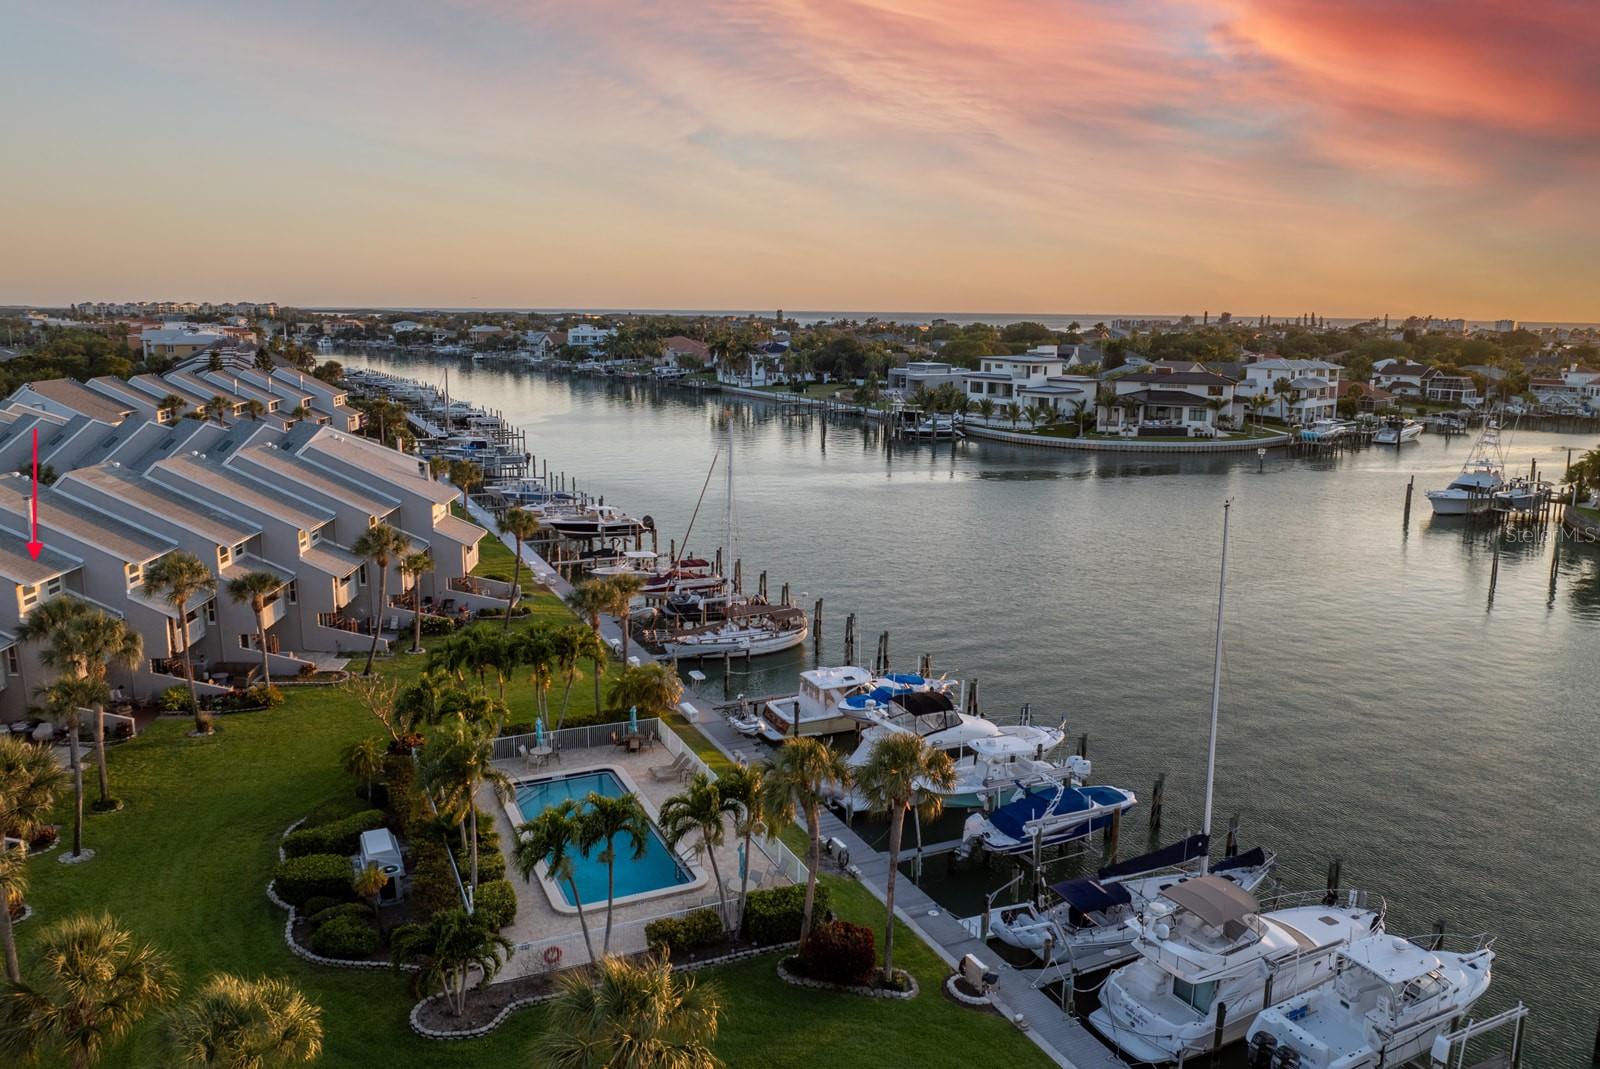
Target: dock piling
(1335,868)
(1216,1034)
(850,639)
(1083,745)
(1232,846)
(1157,801)
(1411,485)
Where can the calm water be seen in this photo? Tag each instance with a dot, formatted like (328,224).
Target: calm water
(1378,705)
(655,870)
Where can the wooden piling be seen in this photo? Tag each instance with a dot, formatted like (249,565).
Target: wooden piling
(1334,870)
(1157,802)
(761,585)
(816,633)
(1216,1034)
(783,598)
(1411,485)
(1231,847)
(1083,745)
(1113,835)
(738,577)
(886,651)
(850,639)
(727,674)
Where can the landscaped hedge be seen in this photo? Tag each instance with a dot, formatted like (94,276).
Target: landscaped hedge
(300,879)
(345,937)
(682,934)
(774,915)
(354,910)
(342,836)
(496,903)
(433,885)
(838,952)
(491,862)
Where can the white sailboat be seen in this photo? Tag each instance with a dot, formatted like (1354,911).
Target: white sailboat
(1207,942)
(1388,1001)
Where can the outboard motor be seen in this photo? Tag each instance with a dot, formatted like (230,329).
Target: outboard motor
(1262,1046)
(647,523)
(1286,1057)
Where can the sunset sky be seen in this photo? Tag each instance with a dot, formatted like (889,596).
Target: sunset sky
(1350,158)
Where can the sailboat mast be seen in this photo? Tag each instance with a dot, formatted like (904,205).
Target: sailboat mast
(730,528)
(1216,692)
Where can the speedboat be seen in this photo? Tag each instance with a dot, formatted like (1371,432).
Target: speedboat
(1397,431)
(750,629)
(1323,430)
(1482,474)
(1087,926)
(597,521)
(636,562)
(1206,943)
(685,574)
(1388,1000)
(1044,816)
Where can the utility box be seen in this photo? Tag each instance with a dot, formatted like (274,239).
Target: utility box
(379,847)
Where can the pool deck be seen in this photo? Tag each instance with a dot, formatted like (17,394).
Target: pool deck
(540,924)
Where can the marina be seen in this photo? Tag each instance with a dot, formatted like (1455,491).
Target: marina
(651,450)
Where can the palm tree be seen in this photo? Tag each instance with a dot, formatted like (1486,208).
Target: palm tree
(623,589)
(416,565)
(521,525)
(801,772)
(30,779)
(700,809)
(63,700)
(217,408)
(455,763)
(634,1014)
(257,589)
(534,648)
(986,409)
(653,689)
(264,360)
(234,1023)
(467,476)
(379,544)
(446,951)
(172,403)
(605,822)
(1283,391)
(94,984)
(254,409)
(369,884)
(569,646)
(177,578)
(552,837)
(589,599)
(902,771)
(363,760)
(744,787)
(1078,409)
(1012,412)
(438,466)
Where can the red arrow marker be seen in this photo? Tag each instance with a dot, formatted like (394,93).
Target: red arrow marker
(35,545)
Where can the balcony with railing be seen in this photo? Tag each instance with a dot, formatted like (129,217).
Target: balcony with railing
(340,622)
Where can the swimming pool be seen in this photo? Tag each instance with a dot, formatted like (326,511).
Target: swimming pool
(656,871)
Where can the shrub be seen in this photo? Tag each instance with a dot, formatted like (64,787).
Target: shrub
(682,934)
(438,625)
(774,915)
(14,903)
(345,937)
(299,879)
(838,952)
(341,836)
(491,862)
(354,910)
(496,903)
(266,695)
(44,837)
(333,809)
(433,885)
(318,903)
(175,700)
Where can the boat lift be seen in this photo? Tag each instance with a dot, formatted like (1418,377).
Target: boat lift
(1450,1048)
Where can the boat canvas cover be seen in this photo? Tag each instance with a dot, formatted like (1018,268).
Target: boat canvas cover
(1216,901)
(1250,859)
(1010,818)
(1088,895)
(1197,845)
(924,702)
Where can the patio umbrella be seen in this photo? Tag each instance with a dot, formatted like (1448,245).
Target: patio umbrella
(633,720)
(538,732)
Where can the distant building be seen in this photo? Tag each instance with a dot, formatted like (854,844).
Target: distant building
(924,374)
(1399,377)
(1505,326)
(585,336)
(1167,399)
(679,351)
(1312,392)
(179,342)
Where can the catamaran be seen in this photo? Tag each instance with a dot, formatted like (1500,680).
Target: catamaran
(1388,1001)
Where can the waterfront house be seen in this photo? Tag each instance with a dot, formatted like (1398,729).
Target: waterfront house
(32,583)
(1455,389)
(1310,389)
(924,375)
(1002,379)
(679,351)
(1368,398)
(1166,399)
(1402,378)
(590,337)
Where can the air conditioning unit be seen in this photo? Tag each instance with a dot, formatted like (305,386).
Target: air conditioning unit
(379,847)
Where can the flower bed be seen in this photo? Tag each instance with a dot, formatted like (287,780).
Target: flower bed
(788,974)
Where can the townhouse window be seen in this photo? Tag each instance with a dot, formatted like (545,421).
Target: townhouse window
(211,611)
(13,662)
(224,555)
(238,550)
(361,576)
(293,592)
(52,587)
(244,642)
(29,594)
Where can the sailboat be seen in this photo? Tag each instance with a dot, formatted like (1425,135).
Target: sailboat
(1207,942)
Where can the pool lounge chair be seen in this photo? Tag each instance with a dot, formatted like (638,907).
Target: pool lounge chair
(678,769)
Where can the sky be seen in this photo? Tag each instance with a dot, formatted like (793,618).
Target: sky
(1348,158)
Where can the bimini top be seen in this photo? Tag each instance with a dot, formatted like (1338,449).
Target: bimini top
(924,702)
(1167,857)
(1392,959)
(1214,900)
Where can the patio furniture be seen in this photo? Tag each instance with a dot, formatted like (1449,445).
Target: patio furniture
(676,770)
(44,732)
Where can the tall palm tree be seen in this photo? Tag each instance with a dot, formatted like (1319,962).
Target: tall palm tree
(902,772)
(552,837)
(178,578)
(256,589)
(447,950)
(986,409)
(744,786)
(456,762)
(379,545)
(467,476)
(1012,412)
(801,772)
(535,649)
(363,760)
(653,689)
(254,409)
(217,408)
(521,525)
(633,1014)
(416,565)
(234,1023)
(589,599)
(700,809)
(610,823)
(172,403)
(93,983)
(438,466)
(64,701)
(30,779)
(570,646)
(622,590)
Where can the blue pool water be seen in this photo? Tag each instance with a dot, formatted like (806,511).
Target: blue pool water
(656,870)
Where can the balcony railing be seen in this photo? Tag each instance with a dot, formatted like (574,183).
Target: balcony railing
(339,622)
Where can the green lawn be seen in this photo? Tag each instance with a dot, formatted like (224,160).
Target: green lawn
(185,865)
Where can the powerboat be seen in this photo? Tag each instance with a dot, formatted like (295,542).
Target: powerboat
(684,574)
(816,708)
(1087,926)
(597,521)
(1324,430)
(750,629)
(1044,816)
(1482,474)
(635,562)
(1207,942)
(1388,1000)
(1397,431)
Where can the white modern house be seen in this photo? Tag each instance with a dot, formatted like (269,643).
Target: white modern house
(1403,378)
(1002,378)
(588,336)
(1298,391)
(1167,400)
